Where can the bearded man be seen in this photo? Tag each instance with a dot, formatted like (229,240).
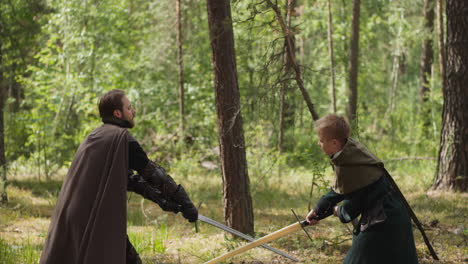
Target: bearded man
(89,221)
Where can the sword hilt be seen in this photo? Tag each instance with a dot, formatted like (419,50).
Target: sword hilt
(303,224)
(196,222)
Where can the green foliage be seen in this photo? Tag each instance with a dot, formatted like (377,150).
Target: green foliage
(82,49)
(23,253)
(20,33)
(150,244)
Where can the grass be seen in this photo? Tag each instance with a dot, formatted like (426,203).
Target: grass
(162,237)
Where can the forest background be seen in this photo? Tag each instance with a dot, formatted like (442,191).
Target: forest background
(58,56)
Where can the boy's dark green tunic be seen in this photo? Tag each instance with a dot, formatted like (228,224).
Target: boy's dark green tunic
(384,233)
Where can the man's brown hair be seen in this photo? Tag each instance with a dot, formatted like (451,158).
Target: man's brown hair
(333,127)
(109,102)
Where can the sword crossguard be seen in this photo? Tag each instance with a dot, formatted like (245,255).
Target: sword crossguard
(196,222)
(303,223)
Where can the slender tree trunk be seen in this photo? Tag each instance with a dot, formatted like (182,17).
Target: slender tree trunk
(298,76)
(3,176)
(180,63)
(16,92)
(354,63)
(440,26)
(395,78)
(452,166)
(332,61)
(238,211)
(300,48)
(427,55)
(287,108)
(281,115)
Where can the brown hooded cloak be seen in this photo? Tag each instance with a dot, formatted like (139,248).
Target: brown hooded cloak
(89,221)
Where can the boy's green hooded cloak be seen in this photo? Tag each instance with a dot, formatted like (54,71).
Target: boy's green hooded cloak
(355,167)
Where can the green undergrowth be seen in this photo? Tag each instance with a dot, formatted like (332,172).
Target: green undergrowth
(162,237)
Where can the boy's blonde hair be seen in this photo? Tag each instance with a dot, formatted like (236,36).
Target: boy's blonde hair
(333,127)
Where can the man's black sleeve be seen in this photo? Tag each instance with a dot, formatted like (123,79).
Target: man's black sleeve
(137,158)
(157,177)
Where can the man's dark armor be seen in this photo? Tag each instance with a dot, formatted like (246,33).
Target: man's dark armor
(156,185)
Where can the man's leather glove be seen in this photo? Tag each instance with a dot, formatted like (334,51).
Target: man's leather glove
(188,209)
(157,177)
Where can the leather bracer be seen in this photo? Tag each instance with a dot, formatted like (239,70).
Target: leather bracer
(138,185)
(157,177)
(323,209)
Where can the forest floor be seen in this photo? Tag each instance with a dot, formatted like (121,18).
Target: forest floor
(162,237)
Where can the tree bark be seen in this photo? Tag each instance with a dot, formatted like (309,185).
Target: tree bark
(3,176)
(395,78)
(427,55)
(452,166)
(332,60)
(440,25)
(281,121)
(238,211)
(287,108)
(354,63)
(180,64)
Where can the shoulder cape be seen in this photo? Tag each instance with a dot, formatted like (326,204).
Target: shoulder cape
(355,167)
(89,220)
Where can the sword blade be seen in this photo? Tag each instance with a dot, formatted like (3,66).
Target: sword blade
(240,234)
(275,235)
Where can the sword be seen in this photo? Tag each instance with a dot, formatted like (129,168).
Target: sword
(244,236)
(277,234)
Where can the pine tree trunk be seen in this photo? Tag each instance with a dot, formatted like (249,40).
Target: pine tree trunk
(332,61)
(287,107)
(354,63)
(238,211)
(180,64)
(281,116)
(3,176)
(440,25)
(427,58)
(427,55)
(452,166)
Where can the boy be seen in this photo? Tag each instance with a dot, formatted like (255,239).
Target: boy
(383,233)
